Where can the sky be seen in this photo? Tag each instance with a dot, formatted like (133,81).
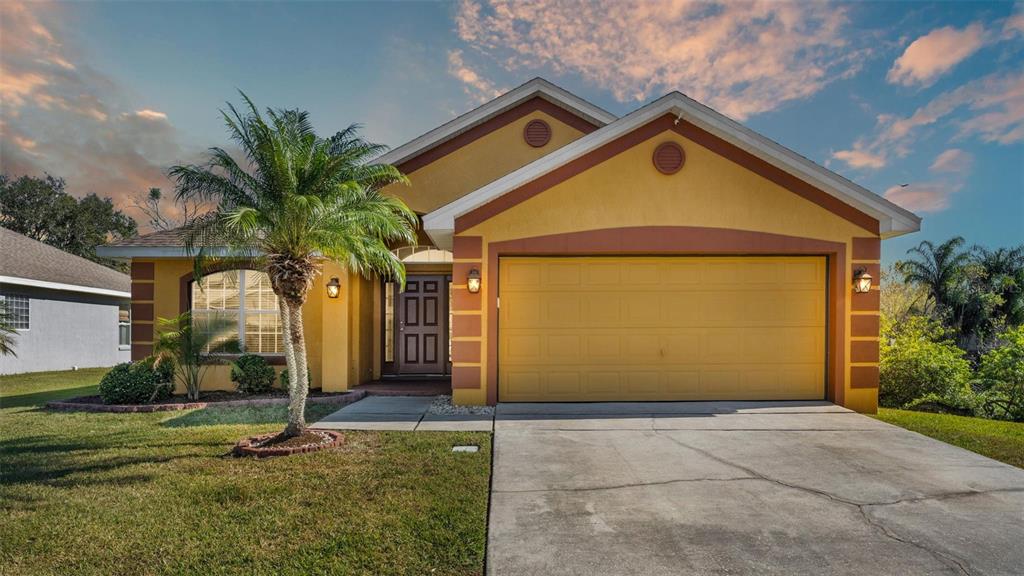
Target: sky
(920,102)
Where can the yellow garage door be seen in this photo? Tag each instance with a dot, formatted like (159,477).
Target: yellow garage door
(661,328)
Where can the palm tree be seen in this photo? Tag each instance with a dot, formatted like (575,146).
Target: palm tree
(936,268)
(298,200)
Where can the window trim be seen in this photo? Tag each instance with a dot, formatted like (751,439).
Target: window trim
(242,311)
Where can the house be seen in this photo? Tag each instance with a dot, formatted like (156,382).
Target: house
(570,255)
(67,311)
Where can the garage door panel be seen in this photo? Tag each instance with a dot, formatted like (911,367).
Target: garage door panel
(673,328)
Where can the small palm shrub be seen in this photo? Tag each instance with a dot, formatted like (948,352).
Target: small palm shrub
(252,374)
(136,383)
(917,359)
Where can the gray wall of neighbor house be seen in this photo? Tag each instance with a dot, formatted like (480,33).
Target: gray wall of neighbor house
(65,329)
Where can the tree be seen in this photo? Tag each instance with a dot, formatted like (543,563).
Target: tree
(41,209)
(936,268)
(1003,275)
(157,218)
(299,200)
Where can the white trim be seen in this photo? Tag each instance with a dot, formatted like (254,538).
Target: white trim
(157,252)
(535,87)
(14,280)
(893,220)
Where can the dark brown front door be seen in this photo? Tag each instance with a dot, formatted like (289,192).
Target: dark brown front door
(422,326)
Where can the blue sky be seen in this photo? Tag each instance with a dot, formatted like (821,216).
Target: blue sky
(108,95)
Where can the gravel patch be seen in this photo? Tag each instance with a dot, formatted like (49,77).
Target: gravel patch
(443,405)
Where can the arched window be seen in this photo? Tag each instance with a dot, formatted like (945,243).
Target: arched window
(244,296)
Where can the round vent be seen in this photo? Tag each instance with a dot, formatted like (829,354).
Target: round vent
(537,133)
(669,157)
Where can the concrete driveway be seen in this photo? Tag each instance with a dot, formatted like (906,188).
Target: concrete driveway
(742,488)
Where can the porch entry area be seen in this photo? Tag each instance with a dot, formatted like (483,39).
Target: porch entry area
(416,329)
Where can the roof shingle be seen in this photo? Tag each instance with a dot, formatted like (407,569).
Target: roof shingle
(23,257)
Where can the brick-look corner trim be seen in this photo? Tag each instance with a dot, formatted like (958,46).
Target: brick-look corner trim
(467,251)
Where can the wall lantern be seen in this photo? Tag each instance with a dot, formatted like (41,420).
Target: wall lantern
(333,288)
(861,281)
(473,281)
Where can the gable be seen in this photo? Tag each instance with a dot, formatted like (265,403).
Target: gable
(484,153)
(617,185)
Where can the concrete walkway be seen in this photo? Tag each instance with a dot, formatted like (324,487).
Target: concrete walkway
(406,413)
(741,488)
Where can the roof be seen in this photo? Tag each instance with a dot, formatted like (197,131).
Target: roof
(893,220)
(538,87)
(28,262)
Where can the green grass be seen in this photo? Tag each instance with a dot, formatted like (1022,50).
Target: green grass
(84,493)
(1003,441)
(41,387)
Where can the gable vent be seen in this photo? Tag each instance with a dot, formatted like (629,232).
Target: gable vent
(537,133)
(669,157)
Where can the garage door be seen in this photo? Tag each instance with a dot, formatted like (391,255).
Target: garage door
(661,328)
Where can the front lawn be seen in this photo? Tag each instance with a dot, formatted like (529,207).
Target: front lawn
(85,493)
(1003,441)
(41,387)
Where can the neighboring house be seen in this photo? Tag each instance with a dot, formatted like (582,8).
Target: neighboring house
(68,312)
(671,254)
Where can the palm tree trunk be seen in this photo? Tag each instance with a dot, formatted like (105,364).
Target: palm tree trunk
(295,356)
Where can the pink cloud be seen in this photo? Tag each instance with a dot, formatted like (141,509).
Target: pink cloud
(935,53)
(922,197)
(742,58)
(954,160)
(476,87)
(859,158)
(64,118)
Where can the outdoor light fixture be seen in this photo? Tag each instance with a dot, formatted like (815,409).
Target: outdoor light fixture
(861,281)
(333,288)
(473,281)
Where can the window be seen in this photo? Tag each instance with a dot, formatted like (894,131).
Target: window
(16,308)
(389,321)
(124,327)
(244,297)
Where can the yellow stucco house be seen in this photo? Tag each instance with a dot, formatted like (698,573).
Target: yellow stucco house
(570,255)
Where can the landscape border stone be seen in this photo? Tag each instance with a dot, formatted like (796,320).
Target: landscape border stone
(71,406)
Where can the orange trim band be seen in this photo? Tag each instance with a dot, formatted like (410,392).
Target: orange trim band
(484,128)
(679,240)
(645,132)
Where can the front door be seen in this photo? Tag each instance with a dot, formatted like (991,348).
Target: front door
(423,326)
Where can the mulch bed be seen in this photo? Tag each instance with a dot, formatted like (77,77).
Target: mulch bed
(208,399)
(266,445)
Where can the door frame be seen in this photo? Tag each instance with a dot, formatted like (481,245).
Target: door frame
(393,368)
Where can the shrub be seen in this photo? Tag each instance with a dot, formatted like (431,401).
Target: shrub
(138,383)
(1001,378)
(252,374)
(284,379)
(917,359)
